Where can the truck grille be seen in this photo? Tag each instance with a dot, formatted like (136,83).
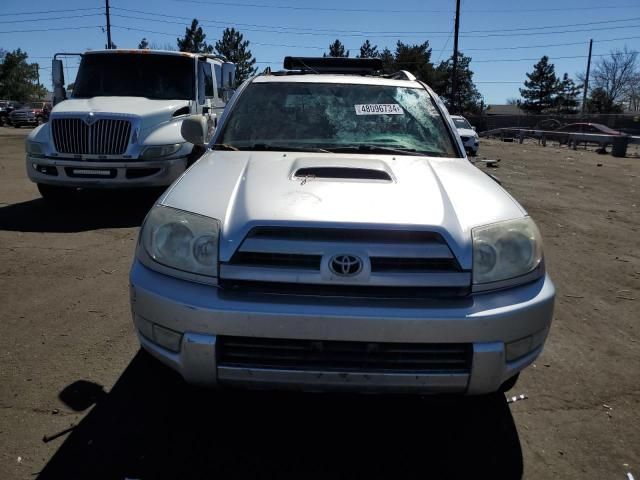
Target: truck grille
(301,355)
(103,137)
(295,261)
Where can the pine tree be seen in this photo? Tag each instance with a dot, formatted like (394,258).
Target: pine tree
(236,50)
(368,51)
(388,60)
(468,99)
(542,87)
(144,44)
(336,49)
(568,93)
(415,59)
(193,40)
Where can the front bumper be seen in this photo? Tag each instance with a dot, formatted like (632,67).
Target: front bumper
(121,174)
(201,313)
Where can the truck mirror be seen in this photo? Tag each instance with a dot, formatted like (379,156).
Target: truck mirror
(57,72)
(194,129)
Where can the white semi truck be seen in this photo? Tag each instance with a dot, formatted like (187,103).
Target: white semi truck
(120,128)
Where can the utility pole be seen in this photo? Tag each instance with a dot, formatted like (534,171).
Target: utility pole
(586,79)
(109,44)
(38,72)
(454,76)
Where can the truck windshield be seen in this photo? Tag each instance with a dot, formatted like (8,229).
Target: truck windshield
(370,118)
(161,77)
(461,123)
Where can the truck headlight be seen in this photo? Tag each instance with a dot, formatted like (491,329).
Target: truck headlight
(159,151)
(182,241)
(34,149)
(506,254)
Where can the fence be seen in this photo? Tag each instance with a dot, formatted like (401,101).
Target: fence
(628,123)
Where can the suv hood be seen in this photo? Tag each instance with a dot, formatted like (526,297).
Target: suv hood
(246,189)
(151,112)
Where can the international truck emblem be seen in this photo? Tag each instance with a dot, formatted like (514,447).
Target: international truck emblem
(345,265)
(90,118)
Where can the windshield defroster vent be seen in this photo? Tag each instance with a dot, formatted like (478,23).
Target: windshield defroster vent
(348,173)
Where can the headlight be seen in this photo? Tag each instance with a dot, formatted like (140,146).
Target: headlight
(181,240)
(506,252)
(159,151)
(34,149)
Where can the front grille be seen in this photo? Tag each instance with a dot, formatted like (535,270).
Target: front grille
(103,137)
(259,259)
(298,261)
(311,355)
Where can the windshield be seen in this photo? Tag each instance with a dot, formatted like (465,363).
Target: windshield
(336,116)
(161,77)
(461,123)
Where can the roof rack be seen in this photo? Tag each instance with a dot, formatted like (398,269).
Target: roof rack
(354,66)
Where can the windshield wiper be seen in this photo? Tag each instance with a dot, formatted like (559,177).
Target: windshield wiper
(378,149)
(223,146)
(282,148)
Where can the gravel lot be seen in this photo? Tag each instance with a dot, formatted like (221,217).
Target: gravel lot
(69,358)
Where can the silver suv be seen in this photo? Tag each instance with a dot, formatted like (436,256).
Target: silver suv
(334,236)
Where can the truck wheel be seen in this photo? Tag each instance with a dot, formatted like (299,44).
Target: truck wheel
(510,383)
(39,121)
(16,125)
(3,121)
(52,193)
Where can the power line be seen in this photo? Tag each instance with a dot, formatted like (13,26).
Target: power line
(351,31)
(51,29)
(353,48)
(537,58)
(51,18)
(547,45)
(49,11)
(363,10)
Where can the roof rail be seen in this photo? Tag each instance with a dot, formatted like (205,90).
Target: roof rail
(403,75)
(357,66)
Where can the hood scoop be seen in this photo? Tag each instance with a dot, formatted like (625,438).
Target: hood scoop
(341,169)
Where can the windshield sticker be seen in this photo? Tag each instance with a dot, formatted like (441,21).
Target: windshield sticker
(379,109)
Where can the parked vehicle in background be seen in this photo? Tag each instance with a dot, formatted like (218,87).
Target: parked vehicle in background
(31,114)
(6,107)
(596,128)
(121,126)
(549,124)
(346,243)
(467,134)
(588,129)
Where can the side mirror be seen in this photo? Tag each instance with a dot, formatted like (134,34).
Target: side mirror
(57,73)
(473,128)
(194,129)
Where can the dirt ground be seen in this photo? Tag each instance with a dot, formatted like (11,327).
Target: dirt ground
(69,358)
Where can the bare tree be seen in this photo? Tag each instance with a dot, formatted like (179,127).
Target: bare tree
(513,101)
(617,75)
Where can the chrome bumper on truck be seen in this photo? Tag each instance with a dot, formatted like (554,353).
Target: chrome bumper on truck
(459,345)
(105,174)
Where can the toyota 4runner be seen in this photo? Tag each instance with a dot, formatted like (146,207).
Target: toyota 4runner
(335,236)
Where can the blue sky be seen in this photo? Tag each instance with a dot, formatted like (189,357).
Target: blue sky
(490,29)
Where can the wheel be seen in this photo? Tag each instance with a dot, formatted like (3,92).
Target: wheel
(3,121)
(39,121)
(52,193)
(510,383)
(473,153)
(16,125)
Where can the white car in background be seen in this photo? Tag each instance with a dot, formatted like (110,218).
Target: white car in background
(467,134)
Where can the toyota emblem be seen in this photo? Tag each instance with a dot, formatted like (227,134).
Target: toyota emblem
(345,265)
